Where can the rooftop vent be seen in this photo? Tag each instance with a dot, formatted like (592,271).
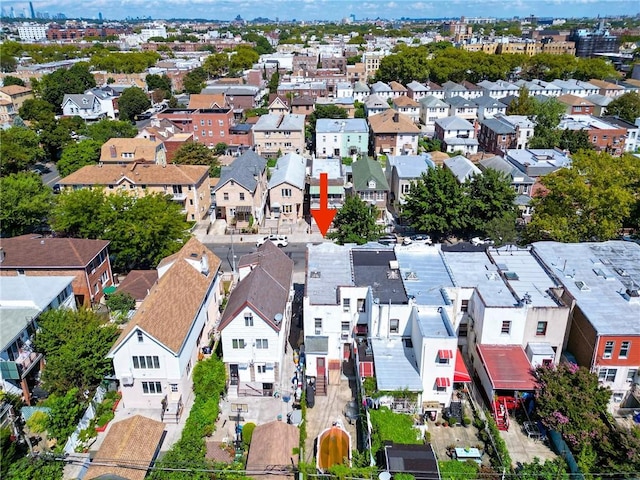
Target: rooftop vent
(511,276)
(393,264)
(314,274)
(583,287)
(393,274)
(622,272)
(411,276)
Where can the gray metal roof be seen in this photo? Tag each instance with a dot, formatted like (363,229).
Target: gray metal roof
(279,122)
(390,357)
(243,90)
(380,87)
(597,276)
(243,170)
(347,125)
(600,100)
(361,87)
(410,166)
(538,162)
(424,273)
(454,123)
(290,168)
(433,322)
(430,101)
(462,168)
(417,87)
(501,165)
(460,102)
(374,101)
(331,166)
(487,101)
(372,268)
(498,126)
(328,267)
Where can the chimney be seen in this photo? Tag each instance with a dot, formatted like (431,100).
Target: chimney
(112,149)
(396,117)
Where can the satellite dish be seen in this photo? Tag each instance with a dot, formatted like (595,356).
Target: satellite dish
(278,318)
(384,476)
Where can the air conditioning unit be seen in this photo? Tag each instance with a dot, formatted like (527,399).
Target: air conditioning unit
(127,381)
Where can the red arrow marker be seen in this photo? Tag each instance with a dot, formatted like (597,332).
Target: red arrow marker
(324,215)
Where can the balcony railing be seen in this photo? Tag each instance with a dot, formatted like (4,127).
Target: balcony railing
(179,197)
(26,361)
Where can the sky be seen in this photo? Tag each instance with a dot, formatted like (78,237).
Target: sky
(326,9)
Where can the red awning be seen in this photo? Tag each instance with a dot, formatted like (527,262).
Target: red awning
(366,369)
(443,382)
(461,374)
(445,354)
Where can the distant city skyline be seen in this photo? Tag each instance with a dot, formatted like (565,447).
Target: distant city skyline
(335,10)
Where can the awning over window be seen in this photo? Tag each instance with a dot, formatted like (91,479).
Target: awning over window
(109,290)
(445,354)
(461,374)
(366,369)
(243,209)
(443,382)
(9,371)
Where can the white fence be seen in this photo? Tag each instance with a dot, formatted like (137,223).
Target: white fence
(89,414)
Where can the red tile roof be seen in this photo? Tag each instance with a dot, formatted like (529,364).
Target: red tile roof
(507,366)
(36,251)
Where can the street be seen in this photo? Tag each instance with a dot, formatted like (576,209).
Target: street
(295,251)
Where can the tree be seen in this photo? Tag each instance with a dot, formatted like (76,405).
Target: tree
(243,58)
(78,155)
(587,202)
(574,140)
(80,213)
(626,106)
(409,64)
(216,64)
(36,109)
(436,204)
(40,467)
(274,81)
(490,197)
(547,118)
(195,153)
(523,104)
(106,129)
(75,344)
(550,470)
(11,80)
(355,222)
(8,63)
(262,44)
(19,150)
(132,102)
(220,148)
(159,82)
(25,203)
(76,79)
(120,302)
(193,82)
(65,410)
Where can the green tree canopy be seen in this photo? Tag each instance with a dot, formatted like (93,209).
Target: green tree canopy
(107,129)
(262,44)
(216,64)
(132,102)
(158,82)
(195,153)
(124,62)
(490,196)
(65,409)
(550,470)
(75,79)
(193,81)
(19,150)
(626,106)
(436,203)
(36,109)
(80,213)
(55,135)
(11,80)
(355,222)
(75,344)
(120,302)
(274,81)
(589,201)
(25,201)
(574,140)
(243,58)
(77,155)
(548,114)
(41,467)
(523,104)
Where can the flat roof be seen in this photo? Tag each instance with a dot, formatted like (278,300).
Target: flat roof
(328,268)
(424,273)
(391,356)
(507,366)
(597,275)
(474,269)
(524,274)
(331,166)
(433,322)
(372,267)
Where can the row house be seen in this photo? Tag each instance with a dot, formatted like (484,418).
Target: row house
(370,184)
(243,97)
(604,136)
(241,192)
(417,91)
(461,168)
(432,109)
(400,172)
(279,133)
(341,137)
(128,151)
(165,132)
(155,355)
(600,103)
(187,185)
(408,107)
(335,183)
(344,90)
(7,112)
(383,91)
(398,89)
(600,281)
(456,134)
(356,73)
(632,140)
(361,91)
(489,107)
(371,61)
(538,162)
(87,261)
(576,105)
(540,87)
(498,89)
(287,188)
(312,89)
(393,133)
(16,95)
(254,328)
(607,89)
(576,87)
(303,105)
(462,108)
(504,132)
(373,105)
(346,103)
(22,300)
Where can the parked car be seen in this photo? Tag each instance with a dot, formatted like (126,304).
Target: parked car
(479,241)
(278,240)
(422,238)
(388,239)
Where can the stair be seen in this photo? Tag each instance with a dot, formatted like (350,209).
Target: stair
(501,414)
(321,386)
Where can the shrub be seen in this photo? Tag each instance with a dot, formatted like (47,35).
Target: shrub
(466,421)
(247,433)
(120,302)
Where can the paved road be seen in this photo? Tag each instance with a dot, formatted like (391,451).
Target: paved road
(50,175)
(295,251)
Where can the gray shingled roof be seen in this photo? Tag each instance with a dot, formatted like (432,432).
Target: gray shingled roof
(290,168)
(454,123)
(275,121)
(242,170)
(497,126)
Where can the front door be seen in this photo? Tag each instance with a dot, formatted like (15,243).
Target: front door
(320,368)
(233,374)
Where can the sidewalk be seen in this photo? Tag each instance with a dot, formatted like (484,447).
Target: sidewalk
(217,234)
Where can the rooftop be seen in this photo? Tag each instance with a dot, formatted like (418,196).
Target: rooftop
(291,168)
(374,267)
(424,273)
(328,268)
(507,366)
(391,355)
(37,252)
(280,122)
(347,125)
(434,322)
(410,166)
(138,174)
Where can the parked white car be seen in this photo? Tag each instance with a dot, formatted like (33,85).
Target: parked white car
(278,240)
(479,241)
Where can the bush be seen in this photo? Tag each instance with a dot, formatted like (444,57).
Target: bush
(466,421)
(247,433)
(120,302)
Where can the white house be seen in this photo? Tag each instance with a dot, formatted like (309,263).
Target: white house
(456,134)
(84,105)
(341,137)
(255,324)
(432,109)
(154,357)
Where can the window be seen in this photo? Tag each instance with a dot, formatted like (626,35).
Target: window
(318,325)
(237,343)
(189,367)
(173,387)
(262,343)
(140,337)
(225,196)
(506,327)
(211,133)
(151,388)
(262,368)
(241,196)
(361,305)
(248,320)
(209,122)
(204,133)
(286,192)
(345,327)
(607,374)
(220,123)
(624,349)
(631,375)
(149,361)
(287,209)
(346,304)
(202,122)
(608,349)
(394,325)
(541,329)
